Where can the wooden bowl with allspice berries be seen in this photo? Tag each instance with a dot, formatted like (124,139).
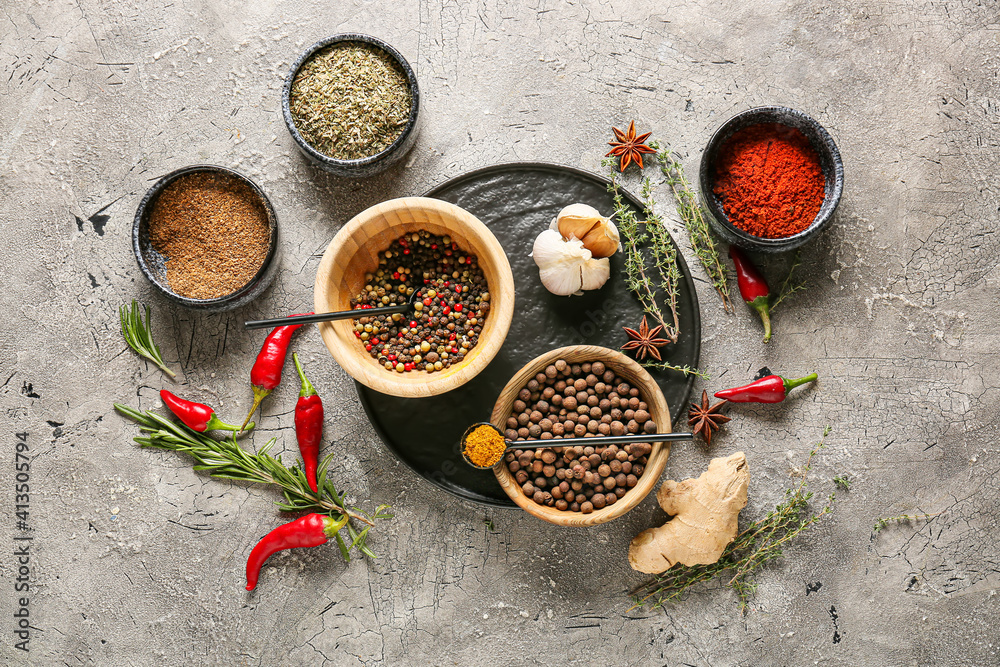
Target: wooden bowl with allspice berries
(581,391)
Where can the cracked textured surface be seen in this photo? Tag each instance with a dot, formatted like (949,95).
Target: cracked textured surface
(138,558)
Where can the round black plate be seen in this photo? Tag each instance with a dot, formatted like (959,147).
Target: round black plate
(517,201)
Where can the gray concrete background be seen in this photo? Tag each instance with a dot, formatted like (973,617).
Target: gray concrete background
(138,560)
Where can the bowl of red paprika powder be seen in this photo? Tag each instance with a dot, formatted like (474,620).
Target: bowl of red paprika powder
(771,177)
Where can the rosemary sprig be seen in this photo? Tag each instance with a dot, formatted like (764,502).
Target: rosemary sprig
(139,335)
(693,216)
(225,459)
(756,545)
(787,288)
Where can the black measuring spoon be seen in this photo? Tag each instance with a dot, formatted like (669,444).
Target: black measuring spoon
(571,442)
(336,315)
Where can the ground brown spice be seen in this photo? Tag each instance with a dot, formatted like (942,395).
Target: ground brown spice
(212,229)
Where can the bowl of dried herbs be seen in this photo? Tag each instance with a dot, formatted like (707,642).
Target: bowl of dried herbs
(351,102)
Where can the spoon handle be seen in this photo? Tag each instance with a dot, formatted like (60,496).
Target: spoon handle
(602,440)
(327,317)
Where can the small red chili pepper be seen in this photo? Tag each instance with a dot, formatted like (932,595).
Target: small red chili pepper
(753,287)
(312,530)
(265,375)
(196,416)
(308,425)
(768,389)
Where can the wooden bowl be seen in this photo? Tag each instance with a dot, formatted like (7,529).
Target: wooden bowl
(354,251)
(632,373)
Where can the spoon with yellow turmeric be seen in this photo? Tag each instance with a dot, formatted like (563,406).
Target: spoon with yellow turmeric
(484,445)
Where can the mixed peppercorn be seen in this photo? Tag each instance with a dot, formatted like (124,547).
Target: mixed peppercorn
(578,400)
(448,314)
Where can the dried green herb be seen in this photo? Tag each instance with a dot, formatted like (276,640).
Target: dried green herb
(691,213)
(350,100)
(651,284)
(788,288)
(903,518)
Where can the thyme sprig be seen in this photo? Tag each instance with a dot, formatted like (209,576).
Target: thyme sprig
(787,287)
(664,255)
(633,236)
(139,336)
(225,459)
(693,217)
(652,233)
(687,370)
(902,518)
(756,545)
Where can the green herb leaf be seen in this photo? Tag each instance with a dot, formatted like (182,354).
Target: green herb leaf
(139,336)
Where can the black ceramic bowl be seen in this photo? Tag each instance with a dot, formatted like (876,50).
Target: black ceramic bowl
(373,164)
(153,264)
(829,159)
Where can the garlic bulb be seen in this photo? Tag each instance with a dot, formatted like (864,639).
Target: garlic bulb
(566,267)
(583,222)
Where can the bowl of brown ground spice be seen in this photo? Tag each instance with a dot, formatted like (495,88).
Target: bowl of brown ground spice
(207,238)
(351,103)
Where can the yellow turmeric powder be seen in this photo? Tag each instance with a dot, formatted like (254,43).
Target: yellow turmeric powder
(483,445)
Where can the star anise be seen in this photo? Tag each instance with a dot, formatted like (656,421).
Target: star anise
(629,146)
(704,418)
(644,341)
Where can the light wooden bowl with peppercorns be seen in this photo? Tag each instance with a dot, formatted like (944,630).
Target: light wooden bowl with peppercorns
(649,392)
(355,251)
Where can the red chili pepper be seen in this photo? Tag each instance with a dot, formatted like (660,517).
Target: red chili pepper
(753,287)
(768,389)
(312,530)
(196,416)
(308,425)
(265,375)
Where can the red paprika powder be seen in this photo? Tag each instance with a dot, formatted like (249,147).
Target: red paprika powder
(770,181)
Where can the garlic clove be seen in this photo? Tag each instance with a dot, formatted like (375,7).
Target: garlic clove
(595,273)
(603,240)
(560,263)
(580,221)
(576,220)
(562,281)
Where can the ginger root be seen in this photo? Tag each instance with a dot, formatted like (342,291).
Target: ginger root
(705,512)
